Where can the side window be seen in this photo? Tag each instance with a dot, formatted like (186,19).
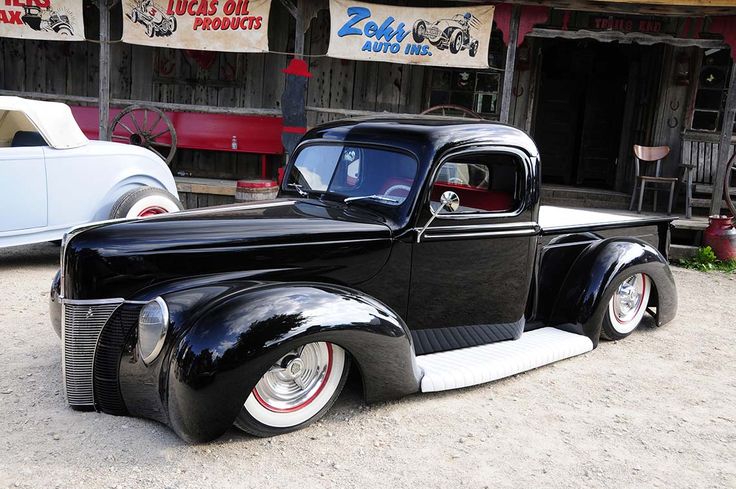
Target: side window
(487,182)
(16,130)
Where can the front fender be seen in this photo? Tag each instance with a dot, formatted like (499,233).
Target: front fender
(218,360)
(586,290)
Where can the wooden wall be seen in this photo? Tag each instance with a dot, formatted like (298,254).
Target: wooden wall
(214,79)
(358,85)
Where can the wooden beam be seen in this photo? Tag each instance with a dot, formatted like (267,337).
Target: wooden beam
(641,7)
(208,109)
(121,102)
(626,38)
(289,5)
(104,94)
(508,75)
(674,3)
(724,144)
(300,29)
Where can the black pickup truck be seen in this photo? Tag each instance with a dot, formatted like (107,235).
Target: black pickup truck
(414,249)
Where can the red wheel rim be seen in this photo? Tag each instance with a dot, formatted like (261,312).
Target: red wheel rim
(152,211)
(321,387)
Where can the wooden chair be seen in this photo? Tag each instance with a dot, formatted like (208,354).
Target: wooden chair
(647,167)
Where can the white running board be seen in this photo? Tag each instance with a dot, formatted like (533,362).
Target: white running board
(479,364)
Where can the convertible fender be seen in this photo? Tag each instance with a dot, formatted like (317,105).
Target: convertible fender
(587,289)
(132,182)
(217,361)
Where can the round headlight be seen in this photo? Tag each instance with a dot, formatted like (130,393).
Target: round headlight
(153,322)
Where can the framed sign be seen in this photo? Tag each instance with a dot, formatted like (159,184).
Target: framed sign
(204,25)
(455,36)
(55,20)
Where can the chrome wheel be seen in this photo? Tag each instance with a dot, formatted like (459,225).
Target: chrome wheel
(628,304)
(298,386)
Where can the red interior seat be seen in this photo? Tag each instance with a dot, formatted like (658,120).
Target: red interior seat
(476,198)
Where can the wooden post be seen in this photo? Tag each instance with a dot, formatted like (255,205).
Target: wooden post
(299,34)
(104,95)
(724,144)
(508,75)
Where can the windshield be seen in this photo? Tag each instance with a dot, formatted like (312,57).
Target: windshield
(378,175)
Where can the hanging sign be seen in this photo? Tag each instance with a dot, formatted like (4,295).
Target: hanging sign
(57,20)
(456,36)
(205,25)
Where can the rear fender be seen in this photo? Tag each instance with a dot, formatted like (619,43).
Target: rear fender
(216,362)
(588,287)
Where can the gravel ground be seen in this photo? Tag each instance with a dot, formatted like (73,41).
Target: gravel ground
(655,410)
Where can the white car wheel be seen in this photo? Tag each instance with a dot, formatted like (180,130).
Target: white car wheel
(297,390)
(626,307)
(145,202)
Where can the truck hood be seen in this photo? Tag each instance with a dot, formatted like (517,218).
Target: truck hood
(275,240)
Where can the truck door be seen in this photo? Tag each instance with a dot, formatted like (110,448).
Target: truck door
(472,268)
(22,188)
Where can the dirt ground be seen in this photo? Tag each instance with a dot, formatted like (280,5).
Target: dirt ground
(655,410)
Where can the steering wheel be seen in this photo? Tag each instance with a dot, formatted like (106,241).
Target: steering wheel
(456,181)
(394,188)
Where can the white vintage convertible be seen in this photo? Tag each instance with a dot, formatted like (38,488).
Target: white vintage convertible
(53,178)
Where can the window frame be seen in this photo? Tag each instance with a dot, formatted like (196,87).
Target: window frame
(720,113)
(525,162)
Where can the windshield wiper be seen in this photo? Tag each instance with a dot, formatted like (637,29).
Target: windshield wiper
(372,197)
(299,189)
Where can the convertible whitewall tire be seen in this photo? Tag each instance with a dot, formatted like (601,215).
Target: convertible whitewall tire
(296,391)
(626,307)
(144,202)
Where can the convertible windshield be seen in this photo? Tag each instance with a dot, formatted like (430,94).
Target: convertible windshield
(371,174)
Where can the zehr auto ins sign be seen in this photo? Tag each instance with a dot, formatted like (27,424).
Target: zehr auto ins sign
(456,36)
(58,20)
(206,25)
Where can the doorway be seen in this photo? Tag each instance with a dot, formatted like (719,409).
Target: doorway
(585,87)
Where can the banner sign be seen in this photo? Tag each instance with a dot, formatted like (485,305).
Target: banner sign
(205,25)
(455,36)
(55,20)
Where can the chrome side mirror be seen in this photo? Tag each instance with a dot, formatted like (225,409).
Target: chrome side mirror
(448,200)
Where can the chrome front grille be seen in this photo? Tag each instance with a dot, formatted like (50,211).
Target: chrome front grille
(433,31)
(82,322)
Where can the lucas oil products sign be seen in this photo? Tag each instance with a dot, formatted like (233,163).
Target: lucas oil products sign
(455,36)
(205,25)
(57,20)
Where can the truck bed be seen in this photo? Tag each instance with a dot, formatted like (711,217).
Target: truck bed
(555,221)
(561,220)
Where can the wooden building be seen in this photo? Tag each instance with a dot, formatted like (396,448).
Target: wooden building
(590,79)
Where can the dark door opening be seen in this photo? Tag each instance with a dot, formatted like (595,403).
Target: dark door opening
(580,108)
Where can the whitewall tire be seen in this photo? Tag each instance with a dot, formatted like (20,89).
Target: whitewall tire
(626,307)
(144,202)
(297,390)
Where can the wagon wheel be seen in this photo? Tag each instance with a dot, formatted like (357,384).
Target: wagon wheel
(729,184)
(145,126)
(451,111)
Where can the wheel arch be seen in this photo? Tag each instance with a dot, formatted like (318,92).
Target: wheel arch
(586,290)
(216,360)
(126,184)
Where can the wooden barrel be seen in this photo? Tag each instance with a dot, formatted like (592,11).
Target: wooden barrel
(250,190)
